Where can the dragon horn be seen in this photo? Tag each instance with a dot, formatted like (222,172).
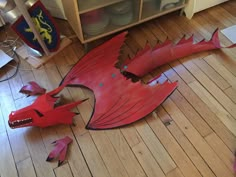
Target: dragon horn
(56,91)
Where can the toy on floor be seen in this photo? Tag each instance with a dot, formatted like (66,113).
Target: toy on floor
(32,88)
(118,100)
(59,150)
(43,112)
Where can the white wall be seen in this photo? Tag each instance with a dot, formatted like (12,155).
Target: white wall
(55,7)
(194,6)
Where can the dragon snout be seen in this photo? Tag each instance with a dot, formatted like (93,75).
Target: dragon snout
(16,121)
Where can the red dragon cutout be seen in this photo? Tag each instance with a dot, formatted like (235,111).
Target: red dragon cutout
(118,100)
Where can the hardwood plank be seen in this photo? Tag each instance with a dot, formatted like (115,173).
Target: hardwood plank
(49,135)
(175,173)
(42,79)
(125,154)
(139,37)
(211,23)
(215,106)
(210,86)
(230,7)
(224,16)
(201,108)
(172,147)
(26,168)
(70,56)
(212,74)
(231,92)
(79,126)
(109,155)
(7,107)
(15,85)
(133,45)
(147,161)
(156,148)
(148,35)
(78,49)
(60,60)
(38,153)
(189,27)
(180,69)
(191,113)
(227,59)
(91,154)
(2,122)
(195,138)
(172,30)
(75,157)
(226,74)
(159,34)
(131,135)
(19,147)
(63,171)
(7,160)
(197,121)
(218,146)
(185,144)
(26,76)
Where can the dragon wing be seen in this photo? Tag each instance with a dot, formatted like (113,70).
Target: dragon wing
(118,100)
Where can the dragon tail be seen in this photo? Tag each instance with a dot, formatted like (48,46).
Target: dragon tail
(150,58)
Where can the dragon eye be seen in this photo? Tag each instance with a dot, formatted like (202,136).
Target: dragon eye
(39,113)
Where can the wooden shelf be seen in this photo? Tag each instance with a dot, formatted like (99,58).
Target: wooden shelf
(150,10)
(89,5)
(152,15)
(140,10)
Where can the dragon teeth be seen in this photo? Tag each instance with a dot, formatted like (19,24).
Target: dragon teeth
(20,121)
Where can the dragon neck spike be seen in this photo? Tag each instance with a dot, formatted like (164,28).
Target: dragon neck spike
(182,40)
(215,38)
(143,51)
(161,45)
(56,91)
(191,38)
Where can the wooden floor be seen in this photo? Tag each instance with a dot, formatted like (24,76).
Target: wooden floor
(192,134)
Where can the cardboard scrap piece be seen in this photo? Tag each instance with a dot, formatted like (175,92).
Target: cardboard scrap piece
(4,58)
(230,33)
(32,88)
(25,52)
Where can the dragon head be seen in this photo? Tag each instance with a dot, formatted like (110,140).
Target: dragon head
(43,112)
